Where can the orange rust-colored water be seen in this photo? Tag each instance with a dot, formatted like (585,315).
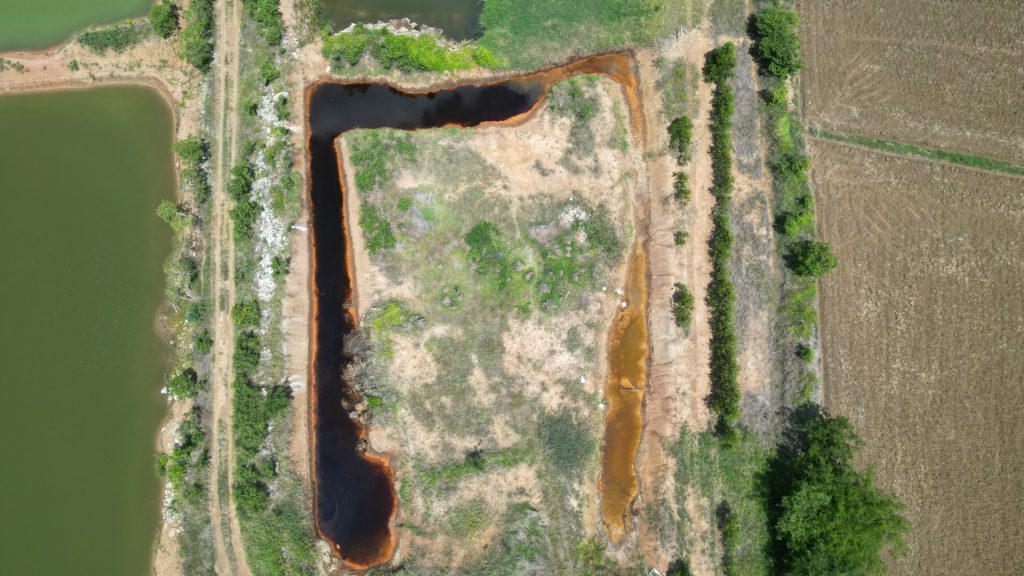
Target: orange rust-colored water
(624,394)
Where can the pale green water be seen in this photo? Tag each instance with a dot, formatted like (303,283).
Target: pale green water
(35,24)
(458,18)
(81,173)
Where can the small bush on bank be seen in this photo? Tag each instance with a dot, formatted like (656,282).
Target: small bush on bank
(680,132)
(267,14)
(163,18)
(405,52)
(185,384)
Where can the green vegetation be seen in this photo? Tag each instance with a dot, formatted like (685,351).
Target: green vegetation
(116,38)
(529,33)
(776,43)
(777,49)
(943,155)
(475,462)
(811,259)
(246,210)
(187,470)
(194,153)
(680,132)
(405,52)
(196,38)
(468,518)
(178,219)
(246,314)
(828,517)
(725,393)
(185,384)
(575,99)
(682,306)
(729,528)
(567,444)
(679,237)
(163,18)
(267,14)
(377,230)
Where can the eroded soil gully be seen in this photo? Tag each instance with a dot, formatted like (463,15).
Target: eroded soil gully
(354,498)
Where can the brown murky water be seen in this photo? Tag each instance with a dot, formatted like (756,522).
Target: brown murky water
(624,394)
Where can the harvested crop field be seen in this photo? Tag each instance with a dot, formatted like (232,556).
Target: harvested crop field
(943,75)
(922,331)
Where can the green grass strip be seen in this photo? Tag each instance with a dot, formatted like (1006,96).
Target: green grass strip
(909,149)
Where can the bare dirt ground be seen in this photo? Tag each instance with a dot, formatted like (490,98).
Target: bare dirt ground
(230,555)
(937,74)
(922,332)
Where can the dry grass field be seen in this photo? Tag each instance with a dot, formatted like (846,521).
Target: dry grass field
(923,342)
(933,73)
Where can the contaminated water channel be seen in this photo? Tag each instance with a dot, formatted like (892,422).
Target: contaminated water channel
(460,19)
(81,173)
(354,496)
(38,24)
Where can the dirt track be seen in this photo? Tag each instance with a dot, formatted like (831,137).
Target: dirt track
(230,553)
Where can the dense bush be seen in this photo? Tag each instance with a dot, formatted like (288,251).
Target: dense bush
(720,64)
(246,314)
(196,38)
(681,187)
(680,132)
(185,384)
(116,38)
(267,14)
(828,517)
(729,528)
(246,211)
(163,18)
(776,44)
(725,393)
(682,306)
(177,219)
(811,258)
(376,229)
(194,152)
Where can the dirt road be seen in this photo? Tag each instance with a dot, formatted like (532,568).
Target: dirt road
(230,553)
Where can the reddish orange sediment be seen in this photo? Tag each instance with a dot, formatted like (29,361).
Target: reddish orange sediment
(624,391)
(620,67)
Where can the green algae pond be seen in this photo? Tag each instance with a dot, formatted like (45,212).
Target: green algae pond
(81,173)
(37,24)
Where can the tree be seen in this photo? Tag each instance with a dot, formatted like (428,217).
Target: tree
(831,519)
(812,259)
(719,63)
(682,306)
(163,18)
(776,44)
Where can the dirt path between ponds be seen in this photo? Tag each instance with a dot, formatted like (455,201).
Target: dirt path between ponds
(230,553)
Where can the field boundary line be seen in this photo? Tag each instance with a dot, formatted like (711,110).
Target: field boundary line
(900,149)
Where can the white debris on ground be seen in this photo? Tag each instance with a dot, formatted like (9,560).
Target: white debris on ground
(271,231)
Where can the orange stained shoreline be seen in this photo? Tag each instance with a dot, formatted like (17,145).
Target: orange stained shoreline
(620,67)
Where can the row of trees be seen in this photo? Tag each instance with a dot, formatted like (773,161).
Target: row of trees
(724,397)
(197,36)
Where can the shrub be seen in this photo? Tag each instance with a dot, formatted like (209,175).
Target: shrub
(681,188)
(776,43)
(163,18)
(197,312)
(679,237)
(247,353)
(196,38)
(682,306)
(680,132)
(348,47)
(204,342)
(267,14)
(192,150)
(729,527)
(186,384)
(719,64)
(246,314)
(812,259)
(116,38)
(408,53)
(268,72)
(805,353)
(176,218)
(376,229)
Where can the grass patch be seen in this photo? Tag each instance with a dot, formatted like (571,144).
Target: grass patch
(930,153)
